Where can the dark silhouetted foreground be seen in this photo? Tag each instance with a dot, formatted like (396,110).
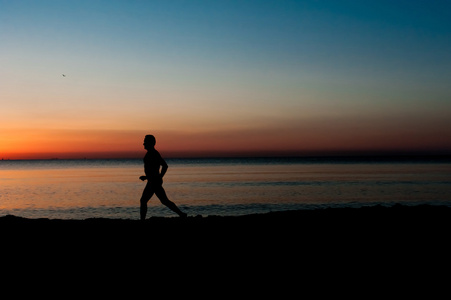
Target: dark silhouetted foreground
(386,225)
(373,247)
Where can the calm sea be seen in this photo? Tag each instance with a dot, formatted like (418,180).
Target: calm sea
(80,189)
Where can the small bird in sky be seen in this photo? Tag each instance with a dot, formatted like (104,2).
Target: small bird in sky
(64,75)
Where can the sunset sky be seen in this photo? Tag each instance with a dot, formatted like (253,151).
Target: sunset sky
(211,78)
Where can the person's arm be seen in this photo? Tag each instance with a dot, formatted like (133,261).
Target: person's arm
(164,168)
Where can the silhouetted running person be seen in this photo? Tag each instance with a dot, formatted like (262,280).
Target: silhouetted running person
(152,163)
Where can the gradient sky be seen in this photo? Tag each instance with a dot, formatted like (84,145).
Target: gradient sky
(224,77)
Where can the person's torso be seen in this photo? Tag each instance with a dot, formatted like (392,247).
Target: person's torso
(152,163)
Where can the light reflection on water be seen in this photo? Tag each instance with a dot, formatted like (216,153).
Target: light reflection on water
(111,188)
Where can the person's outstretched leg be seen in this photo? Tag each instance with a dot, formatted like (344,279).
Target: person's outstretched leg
(161,194)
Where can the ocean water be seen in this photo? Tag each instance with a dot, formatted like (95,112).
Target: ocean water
(81,189)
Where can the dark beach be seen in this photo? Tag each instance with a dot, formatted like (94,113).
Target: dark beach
(376,247)
(394,225)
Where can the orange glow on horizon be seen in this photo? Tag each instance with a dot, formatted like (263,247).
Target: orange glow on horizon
(281,141)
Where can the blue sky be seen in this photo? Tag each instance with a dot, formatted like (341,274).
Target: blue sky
(309,68)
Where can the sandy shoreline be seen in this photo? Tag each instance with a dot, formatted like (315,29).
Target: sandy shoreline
(420,221)
(362,242)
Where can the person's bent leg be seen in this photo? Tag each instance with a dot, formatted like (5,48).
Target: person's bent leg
(147,194)
(143,210)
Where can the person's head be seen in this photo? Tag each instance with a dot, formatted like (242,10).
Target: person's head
(149,142)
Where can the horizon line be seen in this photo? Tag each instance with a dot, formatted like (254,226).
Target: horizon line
(229,154)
